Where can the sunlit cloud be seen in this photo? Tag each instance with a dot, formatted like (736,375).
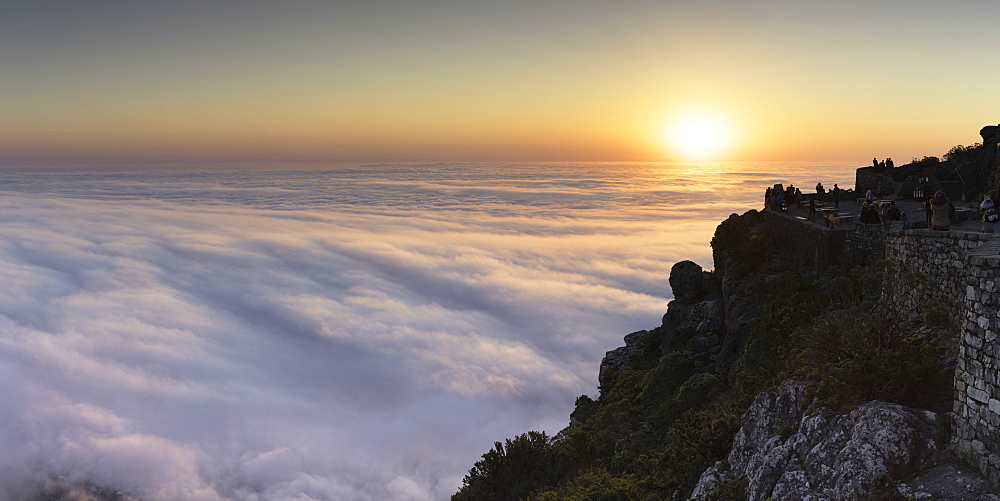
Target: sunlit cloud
(193,336)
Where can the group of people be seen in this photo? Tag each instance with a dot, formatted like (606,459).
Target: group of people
(870,214)
(939,210)
(884,164)
(834,193)
(779,198)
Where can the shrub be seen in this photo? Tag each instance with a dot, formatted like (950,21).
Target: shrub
(593,485)
(858,355)
(693,442)
(960,152)
(511,470)
(926,162)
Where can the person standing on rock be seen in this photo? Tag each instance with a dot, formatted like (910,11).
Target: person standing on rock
(940,212)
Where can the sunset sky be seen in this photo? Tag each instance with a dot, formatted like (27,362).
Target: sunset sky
(784,80)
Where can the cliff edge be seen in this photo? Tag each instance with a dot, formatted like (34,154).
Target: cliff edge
(766,379)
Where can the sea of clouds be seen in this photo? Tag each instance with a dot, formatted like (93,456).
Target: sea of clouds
(350,334)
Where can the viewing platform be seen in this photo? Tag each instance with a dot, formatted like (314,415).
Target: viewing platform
(833,234)
(847,214)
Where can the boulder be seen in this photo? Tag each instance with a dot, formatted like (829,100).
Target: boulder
(990,132)
(687,281)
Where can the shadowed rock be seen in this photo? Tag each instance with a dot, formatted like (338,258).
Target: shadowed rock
(687,281)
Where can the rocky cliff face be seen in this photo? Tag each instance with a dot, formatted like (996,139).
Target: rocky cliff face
(789,447)
(877,451)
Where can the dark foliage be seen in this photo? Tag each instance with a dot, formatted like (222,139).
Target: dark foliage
(511,470)
(961,153)
(858,355)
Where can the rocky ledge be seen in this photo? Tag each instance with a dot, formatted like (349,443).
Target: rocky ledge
(877,451)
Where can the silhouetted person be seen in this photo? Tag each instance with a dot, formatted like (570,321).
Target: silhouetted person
(928,196)
(894,213)
(869,214)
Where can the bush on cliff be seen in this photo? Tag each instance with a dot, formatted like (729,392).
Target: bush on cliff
(857,355)
(961,153)
(511,470)
(597,484)
(655,416)
(691,444)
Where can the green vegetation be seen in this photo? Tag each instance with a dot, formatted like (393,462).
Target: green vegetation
(661,419)
(860,355)
(512,470)
(964,153)
(926,162)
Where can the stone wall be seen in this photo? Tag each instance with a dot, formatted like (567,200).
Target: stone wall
(977,382)
(814,245)
(929,267)
(960,273)
(817,246)
(865,242)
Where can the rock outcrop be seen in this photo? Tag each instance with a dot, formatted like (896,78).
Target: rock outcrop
(692,325)
(693,322)
(687,281)
(878,451)
(618,357)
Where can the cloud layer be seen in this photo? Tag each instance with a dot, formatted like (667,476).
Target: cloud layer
(318,335)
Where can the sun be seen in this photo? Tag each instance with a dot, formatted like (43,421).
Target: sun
(697,138)
(697,135)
